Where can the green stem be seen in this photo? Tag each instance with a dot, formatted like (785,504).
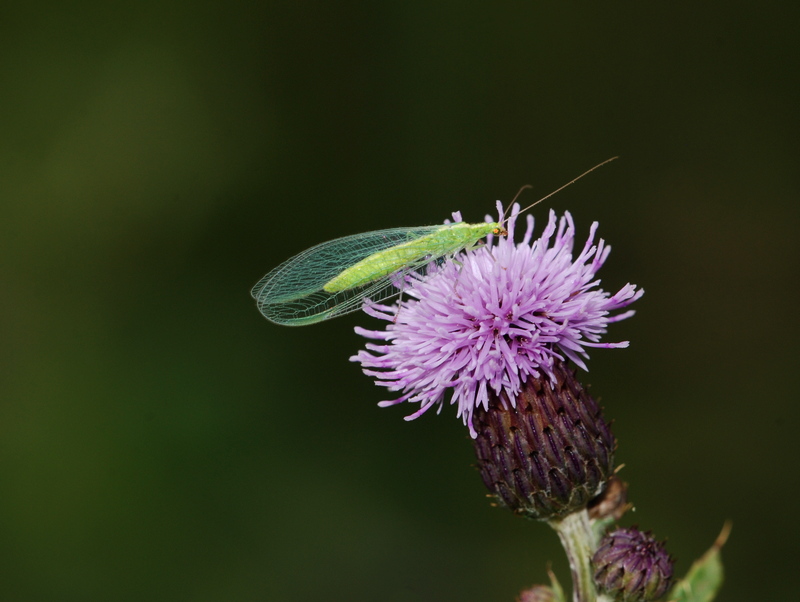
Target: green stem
(579,542)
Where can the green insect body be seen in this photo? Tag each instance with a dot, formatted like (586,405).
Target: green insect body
(444,241)
(333,278)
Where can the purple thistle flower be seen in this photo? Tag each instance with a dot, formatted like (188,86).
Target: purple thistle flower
(490,318)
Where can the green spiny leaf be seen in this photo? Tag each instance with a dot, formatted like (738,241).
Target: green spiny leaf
(704,578)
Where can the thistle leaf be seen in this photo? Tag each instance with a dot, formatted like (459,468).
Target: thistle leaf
(704,578)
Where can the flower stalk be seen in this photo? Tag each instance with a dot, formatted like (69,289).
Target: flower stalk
(578,539)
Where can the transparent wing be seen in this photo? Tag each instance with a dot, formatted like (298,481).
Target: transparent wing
(292,293)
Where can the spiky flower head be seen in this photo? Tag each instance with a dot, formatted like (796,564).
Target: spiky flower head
(631,566)
(486,322)
(549,454)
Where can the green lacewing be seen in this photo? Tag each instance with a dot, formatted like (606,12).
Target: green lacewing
(333,278)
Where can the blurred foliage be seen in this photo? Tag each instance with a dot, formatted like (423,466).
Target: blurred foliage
(159,440)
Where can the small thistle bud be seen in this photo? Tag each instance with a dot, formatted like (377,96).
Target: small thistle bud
(550,453)
(537,593)
(632,566)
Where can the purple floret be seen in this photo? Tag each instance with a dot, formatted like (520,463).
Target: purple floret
(493,316)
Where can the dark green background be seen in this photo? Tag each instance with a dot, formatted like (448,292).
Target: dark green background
(159,440)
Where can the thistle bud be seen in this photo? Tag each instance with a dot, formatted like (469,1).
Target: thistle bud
(537,593)
(632,566)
